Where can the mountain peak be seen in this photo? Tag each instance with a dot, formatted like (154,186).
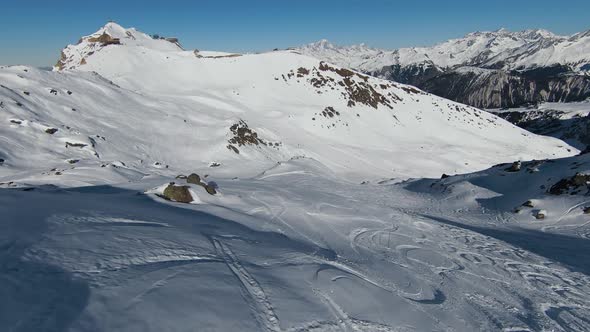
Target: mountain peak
(111,35)
(113,29)
(322,44)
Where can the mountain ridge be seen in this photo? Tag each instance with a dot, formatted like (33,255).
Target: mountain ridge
(530,66)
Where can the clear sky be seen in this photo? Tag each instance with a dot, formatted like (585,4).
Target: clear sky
(34,31)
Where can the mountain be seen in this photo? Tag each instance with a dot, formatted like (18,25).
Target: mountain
(119,95)
(567,121)
(144,187)
(483,69)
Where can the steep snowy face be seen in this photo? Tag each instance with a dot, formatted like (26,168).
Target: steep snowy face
(161,106)
(500,49)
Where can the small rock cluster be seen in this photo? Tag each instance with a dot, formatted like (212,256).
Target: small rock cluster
(181,193)
(573,185)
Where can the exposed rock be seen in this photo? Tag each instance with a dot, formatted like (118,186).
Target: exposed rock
(214,164)
(573,185)
(243,135)
(541,214)
(444,176)
(575,130)
(105,39)
(330,112)
(515,167)
(194,179)
(210,189)
(357,88)
(587,210)
(75,145)
(61,63)
(493,88)
(176,193)
(233,148)
(528,203)
(51,131)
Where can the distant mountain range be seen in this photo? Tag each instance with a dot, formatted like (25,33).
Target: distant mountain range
(483,69)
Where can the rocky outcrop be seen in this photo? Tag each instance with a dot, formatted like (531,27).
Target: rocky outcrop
(575,130)
(176,193)
(493,88)
(574,185)
(415,74)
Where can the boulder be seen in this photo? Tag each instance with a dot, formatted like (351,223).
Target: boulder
(541,214)
(179,194)
(515,167)
(210,189)
(194,179)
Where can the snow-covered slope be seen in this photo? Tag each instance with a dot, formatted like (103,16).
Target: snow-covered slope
(170,106)
(298,249)
(499,49)
(309,227)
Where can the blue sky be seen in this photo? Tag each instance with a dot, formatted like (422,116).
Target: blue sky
(33,32)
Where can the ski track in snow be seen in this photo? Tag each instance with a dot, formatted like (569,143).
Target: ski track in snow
(254,294)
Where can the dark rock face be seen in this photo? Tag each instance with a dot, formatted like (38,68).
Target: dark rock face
(493,88)
(573,130)
(574,185)
(414,75)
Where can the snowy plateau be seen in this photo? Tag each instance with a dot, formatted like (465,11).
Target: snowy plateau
(325,200)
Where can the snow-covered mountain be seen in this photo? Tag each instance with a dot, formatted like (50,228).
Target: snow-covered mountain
(301,216)
(499,49)
(148,103)
(538,65)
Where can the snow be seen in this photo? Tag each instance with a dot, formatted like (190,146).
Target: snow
(567,121)
(323,230)
(294,254)
(511,50)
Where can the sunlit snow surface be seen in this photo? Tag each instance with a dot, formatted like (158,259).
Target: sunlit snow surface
(322,232)
(293,249)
